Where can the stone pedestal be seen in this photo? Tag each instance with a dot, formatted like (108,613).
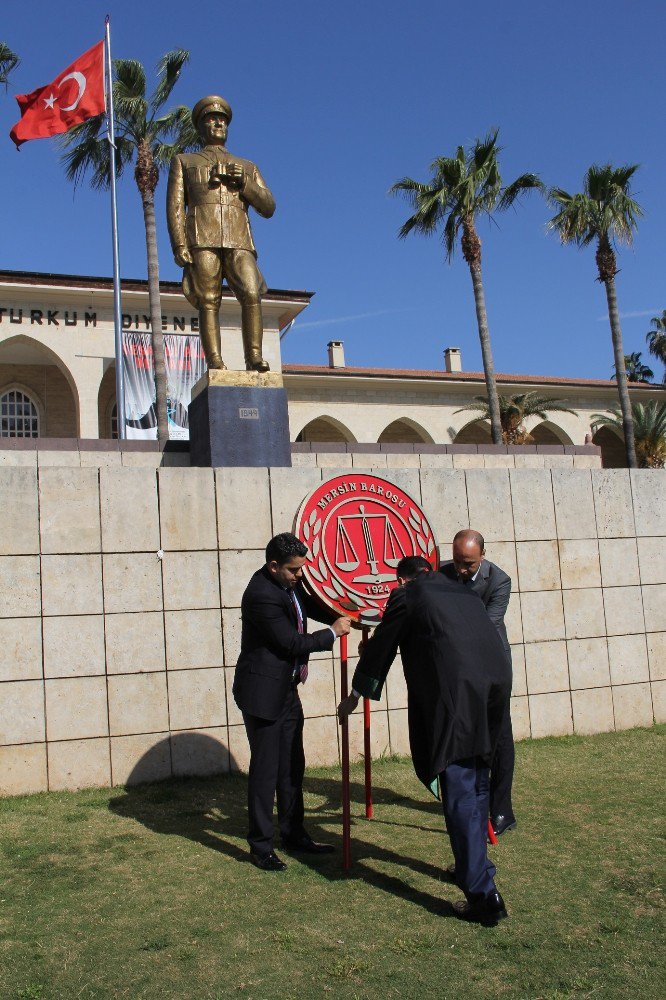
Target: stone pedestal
(239,419)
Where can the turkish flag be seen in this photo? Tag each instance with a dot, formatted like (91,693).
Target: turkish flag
(75,95)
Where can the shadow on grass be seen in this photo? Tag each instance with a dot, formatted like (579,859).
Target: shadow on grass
(212,812)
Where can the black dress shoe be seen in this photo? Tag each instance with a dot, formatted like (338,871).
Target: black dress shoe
(503,823)
(268,862)
(488,911)
(306,845)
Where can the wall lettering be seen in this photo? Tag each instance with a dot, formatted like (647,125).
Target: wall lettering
(70,317)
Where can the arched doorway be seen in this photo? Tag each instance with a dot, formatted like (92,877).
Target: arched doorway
(476,432)
(404,431)
(39,374)
(325,430)
(549,433)
(613,455)
(106,403)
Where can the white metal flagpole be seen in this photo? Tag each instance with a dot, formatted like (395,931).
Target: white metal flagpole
(117,314)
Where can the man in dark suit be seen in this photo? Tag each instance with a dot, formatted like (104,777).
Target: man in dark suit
(274,655)
(493,586)
(458,686)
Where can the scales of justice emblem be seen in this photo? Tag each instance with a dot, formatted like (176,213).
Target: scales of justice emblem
(357,529)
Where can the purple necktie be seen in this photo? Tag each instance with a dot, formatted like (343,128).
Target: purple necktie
(303,668)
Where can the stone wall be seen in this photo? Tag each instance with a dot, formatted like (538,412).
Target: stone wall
(119,611)
(106,453)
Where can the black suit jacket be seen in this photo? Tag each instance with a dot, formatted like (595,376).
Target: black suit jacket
(457,672)
(271,645)
(493,586)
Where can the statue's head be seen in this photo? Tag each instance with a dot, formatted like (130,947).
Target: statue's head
(211,116)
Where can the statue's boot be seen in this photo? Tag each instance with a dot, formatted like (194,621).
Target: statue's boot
(253,332)
(209,321)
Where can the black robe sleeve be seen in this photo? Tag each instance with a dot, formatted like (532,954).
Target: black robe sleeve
(381,650)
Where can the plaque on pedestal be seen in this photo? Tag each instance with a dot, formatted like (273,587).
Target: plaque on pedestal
(239,419)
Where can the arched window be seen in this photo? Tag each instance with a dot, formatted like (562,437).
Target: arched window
(114,421)
(19,415)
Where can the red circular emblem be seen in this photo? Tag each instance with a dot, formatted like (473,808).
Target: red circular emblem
(357,529)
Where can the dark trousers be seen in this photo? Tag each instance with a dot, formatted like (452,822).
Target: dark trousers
(277,764)
(501,772)
(465,795)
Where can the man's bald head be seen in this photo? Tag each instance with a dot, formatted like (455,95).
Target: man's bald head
(468,551)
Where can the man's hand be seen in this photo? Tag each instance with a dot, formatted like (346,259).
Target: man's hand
(346,707)
(182,256)
(235,175)
(341,626)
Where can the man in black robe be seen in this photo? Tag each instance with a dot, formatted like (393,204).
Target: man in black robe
(493,586)
(458,685)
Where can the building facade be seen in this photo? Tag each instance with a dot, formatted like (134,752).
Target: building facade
(57,373)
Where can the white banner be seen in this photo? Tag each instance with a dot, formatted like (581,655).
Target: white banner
(185,365)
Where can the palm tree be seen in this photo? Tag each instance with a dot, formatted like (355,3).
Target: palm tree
(656,339)
(514,410)
(635,369)
(605,213)
(463,187)
(649,431)
(148,137)
(8,61)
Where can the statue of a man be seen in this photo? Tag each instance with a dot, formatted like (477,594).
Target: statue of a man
(208,198)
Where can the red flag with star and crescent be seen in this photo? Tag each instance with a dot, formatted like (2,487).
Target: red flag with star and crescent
(75,95)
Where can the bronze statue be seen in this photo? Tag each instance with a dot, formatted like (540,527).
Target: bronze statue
(208,198)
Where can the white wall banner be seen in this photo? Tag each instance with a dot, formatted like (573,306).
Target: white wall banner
(185,365)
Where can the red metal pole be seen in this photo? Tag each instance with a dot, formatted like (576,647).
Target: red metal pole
(491,833)
(366,739)
(346,817)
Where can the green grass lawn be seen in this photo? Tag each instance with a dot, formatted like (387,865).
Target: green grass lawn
(148,892)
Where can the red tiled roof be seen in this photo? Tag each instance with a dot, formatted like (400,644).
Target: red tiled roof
(126,284)
(444,376)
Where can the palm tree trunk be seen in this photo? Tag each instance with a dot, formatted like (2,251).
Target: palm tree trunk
(148,202)
(622,389)
(486,352)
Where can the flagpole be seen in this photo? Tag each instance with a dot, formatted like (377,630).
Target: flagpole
(117,315)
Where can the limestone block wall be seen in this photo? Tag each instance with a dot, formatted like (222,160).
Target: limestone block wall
(120,622)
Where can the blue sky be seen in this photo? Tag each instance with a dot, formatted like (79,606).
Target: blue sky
(335,102)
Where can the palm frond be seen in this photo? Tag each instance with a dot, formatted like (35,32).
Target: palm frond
(8,62)
(86,151)
(426,200)
(516,408)
(129,97)
(485,152)
(129,79)
(656,339)
(480,405)
(178,122)
(450,234)
(604,208)
(168,71)
(659,322)
(573,220)
(526,182)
